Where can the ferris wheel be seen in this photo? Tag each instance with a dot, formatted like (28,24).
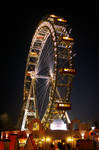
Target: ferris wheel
(49,73)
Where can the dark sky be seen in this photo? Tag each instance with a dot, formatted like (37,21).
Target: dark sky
(18,23)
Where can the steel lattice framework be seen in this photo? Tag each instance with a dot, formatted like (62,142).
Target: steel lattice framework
(49,73)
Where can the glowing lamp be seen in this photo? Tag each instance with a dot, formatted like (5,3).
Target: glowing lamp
(70,139)
(63,106)
(61,20)
(22,140)
(67,71)
(43,139)
(53,16)
(98,139)
(48,139)
(34,54)
(6,135)
(82,133)
(27,135)
(93,127)
(68,38)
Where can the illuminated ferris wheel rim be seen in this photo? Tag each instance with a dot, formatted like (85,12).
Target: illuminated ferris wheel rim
(34,74)
(50,29)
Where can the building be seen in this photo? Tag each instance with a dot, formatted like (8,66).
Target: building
(36,136)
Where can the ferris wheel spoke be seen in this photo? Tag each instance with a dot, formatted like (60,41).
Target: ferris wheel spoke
(41,85)
(45,59)
(43,56)
(44,98)
(43,69)
(43,77)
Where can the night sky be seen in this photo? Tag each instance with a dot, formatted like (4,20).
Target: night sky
(18,24)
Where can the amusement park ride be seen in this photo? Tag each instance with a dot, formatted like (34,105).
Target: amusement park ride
(49,73)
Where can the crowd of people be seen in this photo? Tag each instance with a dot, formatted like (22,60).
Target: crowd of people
(60,146)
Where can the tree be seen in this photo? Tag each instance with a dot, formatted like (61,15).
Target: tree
(6,122)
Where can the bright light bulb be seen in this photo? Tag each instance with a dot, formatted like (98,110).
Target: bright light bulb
(48,139)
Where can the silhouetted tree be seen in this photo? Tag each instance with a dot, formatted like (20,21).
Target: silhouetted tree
(6,122)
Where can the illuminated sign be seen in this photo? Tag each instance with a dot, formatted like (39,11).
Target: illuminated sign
(35,126)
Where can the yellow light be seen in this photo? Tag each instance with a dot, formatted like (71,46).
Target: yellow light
(34,53)
(48,139)
(22,141)
(43,139)
(47,124)
(70,70)
(61,20)
(93,127)
(67,38)
(65,69)
(53,16)
(98,138)
(70,139)
(67,105)
(35,126)
(82,134)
